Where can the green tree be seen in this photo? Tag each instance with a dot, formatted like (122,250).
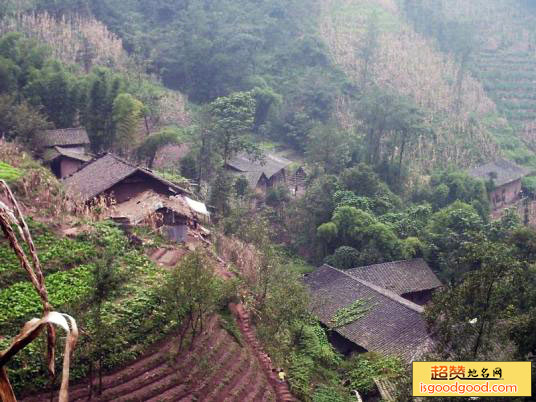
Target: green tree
(361,180)
(330,147)
(524,241)
(306,214)
(389,119)
(126,114)
(104,86)
(105,281)
(265,98)
(327,233)
(284,302)
(191,293)
(8,76)
(221,191)
(57,91)
(381,244)
(241,186)
(231,121)
(467,316)
(345,257)
(20,121)
(277,196)
(148,149)
(351,223)
(26,54)
(27,121)
(448,232)
(410,127)
(449,186)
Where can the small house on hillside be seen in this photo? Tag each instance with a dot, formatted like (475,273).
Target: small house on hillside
(176,215)
(110,175)
(260,174)
(64,150)
(63,162)
(75,139)
(386,323)
(411,279)
(506,177)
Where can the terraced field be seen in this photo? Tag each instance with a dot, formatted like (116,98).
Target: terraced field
(218,368)
(510,80)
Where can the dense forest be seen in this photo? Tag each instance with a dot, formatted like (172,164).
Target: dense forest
(384,105)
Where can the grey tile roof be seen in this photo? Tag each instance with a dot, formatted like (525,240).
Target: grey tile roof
(253,178)
(62,137)
(270,165)
(104,172)
(506,171)
(52,153)
(399,277)
(392,325)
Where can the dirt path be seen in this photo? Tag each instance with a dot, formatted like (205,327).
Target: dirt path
(281,388)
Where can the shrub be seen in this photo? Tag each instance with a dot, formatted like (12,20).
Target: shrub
(324,393)
(299,378)
(277,195)
(360,370)
(345,257)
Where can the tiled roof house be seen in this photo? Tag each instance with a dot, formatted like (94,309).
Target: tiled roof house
(390,325)
(64,150)
(506,177)
(65,137)
(109,174)
(411,279)
(266,172)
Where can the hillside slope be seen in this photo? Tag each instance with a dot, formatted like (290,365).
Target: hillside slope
(497,41)
(505,61)
(218,368)
(404,61)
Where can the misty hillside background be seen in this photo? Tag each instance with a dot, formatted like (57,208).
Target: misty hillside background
(468,66)
(380,106)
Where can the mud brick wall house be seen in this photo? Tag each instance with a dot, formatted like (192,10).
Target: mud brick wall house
(389,324)
(63,162)
(506,177)
(260,174)
(109,175)
(63,150)
(411,279)
(174,214)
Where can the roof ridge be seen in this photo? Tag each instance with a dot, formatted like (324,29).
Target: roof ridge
(384,292)
(66,128)
(122,160)
(132,164)
(392,295)
(389,262)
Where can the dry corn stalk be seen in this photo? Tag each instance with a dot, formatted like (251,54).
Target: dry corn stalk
(9,218)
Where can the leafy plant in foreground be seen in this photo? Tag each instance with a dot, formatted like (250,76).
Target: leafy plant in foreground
(353,312)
